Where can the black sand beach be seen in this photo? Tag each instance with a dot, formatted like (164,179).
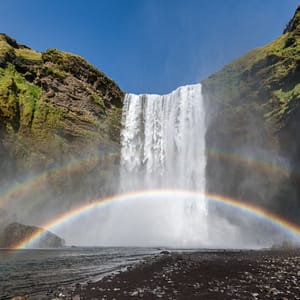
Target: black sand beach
(218,275)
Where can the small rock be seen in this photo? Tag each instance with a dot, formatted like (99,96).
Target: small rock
(62,296)
(273,291)
(134,293)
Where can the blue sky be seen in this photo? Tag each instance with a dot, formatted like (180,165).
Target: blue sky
(148,46)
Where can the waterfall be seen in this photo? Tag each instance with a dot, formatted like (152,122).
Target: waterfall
(163,141)
(162,180)
(161,198)
(163,147)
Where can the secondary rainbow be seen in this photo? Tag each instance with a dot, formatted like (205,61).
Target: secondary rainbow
(265,166)
(51,175)
(17,190)
(259,212)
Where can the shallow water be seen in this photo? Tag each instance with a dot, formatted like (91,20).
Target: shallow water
(34,272)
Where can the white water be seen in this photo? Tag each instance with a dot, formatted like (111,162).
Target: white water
(163,147)
(163,140)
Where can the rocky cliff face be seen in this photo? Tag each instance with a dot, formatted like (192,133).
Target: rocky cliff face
(15,233)
(253,136)
(60,121)
(53,105)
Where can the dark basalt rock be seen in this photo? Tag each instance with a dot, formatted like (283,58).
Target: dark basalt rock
(15,233)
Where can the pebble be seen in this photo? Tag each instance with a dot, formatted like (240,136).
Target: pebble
(273,291)
(266,277)
(134,293)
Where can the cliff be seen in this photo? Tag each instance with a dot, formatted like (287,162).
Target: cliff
(15,233)
(60,121)
(252,138)
(53,105)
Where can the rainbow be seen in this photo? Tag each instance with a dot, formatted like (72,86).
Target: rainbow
(51,175)
(254,210)
(19,189)
(264,166)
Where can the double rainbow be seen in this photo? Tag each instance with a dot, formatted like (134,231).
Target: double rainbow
(251,209)
(21,188)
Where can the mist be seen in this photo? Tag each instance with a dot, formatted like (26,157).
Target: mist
(40,196)
(165,147)
(165,219)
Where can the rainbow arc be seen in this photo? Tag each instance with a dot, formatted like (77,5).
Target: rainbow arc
(251,209)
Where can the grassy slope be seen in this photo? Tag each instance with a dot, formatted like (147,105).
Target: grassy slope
(268,76)
(53,103)
(255,108)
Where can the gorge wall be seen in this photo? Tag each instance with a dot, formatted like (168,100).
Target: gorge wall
(60,121)
(53,105)
(253,141)
(56,108)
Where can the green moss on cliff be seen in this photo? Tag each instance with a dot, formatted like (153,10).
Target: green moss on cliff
(98,100)
(53,105)
(64,60)
(17,97)
(55,72)
(8,92)
(28,54)
(255,109)
(4,47)
(268,76)
(114,123)
(76,66)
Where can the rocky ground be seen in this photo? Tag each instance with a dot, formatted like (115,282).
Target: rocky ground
(200,275)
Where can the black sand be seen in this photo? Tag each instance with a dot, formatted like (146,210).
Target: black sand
(204,275)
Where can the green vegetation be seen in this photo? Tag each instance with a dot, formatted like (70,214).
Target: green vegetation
(254,107)
(28,54)
(53,105)
(55,72)
(114,118)
(267,76)
(4,47)
(59,57)
(17,96)
(98,100)
(63,60)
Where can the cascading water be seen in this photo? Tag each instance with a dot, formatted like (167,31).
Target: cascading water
(163,152)
(163,147)
(163,140)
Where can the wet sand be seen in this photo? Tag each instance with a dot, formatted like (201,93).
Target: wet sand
(217,275)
